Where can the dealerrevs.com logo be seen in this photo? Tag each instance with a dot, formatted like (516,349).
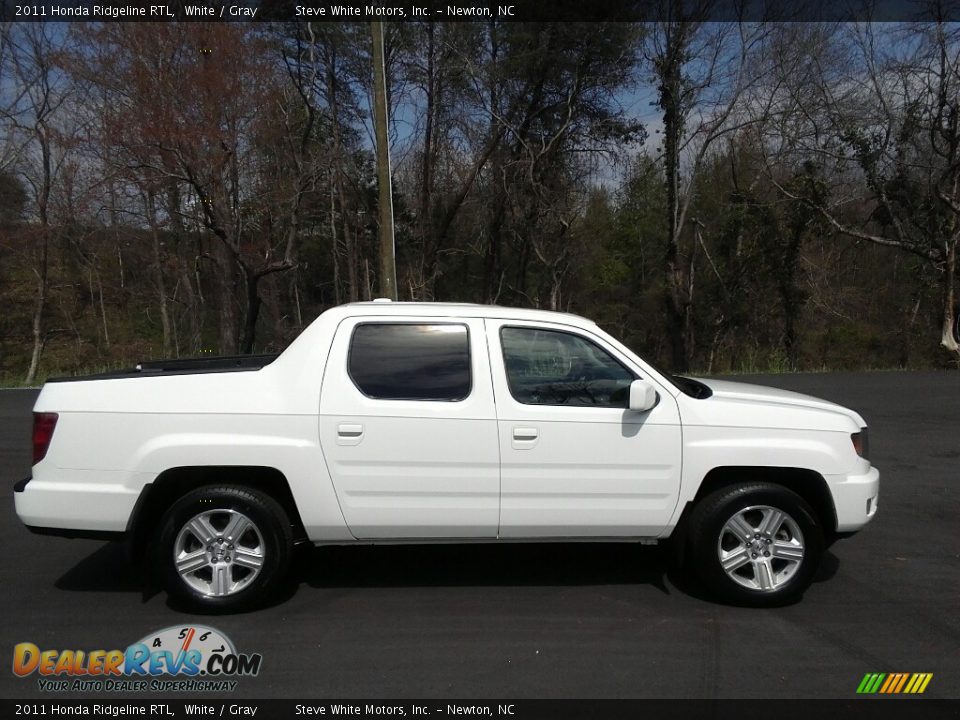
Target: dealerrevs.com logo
(176,659)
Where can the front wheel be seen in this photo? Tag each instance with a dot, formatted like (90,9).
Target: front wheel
(755,543)
(223,548)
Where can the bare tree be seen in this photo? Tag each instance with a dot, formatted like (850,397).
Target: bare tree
(190,113)
(324,64)
(880,127)
(39,94)
(388,260)
(704,72)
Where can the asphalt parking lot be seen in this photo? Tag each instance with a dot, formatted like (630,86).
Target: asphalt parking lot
(553,621)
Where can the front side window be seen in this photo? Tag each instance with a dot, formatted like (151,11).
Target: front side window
(546,367)
(407,361)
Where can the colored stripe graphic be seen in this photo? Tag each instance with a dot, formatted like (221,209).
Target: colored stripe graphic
(894,683)
(903,681)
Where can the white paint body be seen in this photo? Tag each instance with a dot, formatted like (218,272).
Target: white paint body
(484,468)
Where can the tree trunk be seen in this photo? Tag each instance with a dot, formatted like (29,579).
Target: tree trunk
(41,301)
(339,175)
(334,248)
(227,292)
(790,296)
(195,309)
(158,276)
(43,204)
(428,241)
(492,264)
(388,268)
(186,260)
(948,337)
(675,302)
(252,283)
(103,312)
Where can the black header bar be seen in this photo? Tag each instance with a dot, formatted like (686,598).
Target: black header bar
(473,10)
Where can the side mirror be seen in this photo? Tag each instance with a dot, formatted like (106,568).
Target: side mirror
(642,396)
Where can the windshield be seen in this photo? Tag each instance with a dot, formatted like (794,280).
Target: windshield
(686,385)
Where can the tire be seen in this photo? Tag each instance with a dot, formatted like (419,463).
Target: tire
(756,544)
(223,548)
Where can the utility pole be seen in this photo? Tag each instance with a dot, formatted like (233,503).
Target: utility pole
(388,263)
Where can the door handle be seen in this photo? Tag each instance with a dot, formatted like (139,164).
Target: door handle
(525,434)
(349,434)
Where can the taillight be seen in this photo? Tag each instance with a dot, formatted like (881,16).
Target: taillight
(43,427)
(861,444)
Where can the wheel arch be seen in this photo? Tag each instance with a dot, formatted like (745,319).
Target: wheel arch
(171,484)
(808,484)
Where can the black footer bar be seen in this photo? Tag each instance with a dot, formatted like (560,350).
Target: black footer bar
(779,709)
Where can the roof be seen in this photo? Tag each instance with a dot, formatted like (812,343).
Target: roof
(389,307)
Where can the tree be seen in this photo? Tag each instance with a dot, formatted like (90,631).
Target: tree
(548,89)
(40,93)
(884,138)
(188,113)
(435,61)
(703,71)
(388,266)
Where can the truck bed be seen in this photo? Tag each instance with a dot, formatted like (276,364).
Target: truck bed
(184,366)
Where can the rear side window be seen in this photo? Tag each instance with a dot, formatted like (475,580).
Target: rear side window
(406,361)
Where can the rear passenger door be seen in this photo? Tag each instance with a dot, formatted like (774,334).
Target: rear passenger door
(408,428)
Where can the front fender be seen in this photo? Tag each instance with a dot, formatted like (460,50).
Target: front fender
(827,453)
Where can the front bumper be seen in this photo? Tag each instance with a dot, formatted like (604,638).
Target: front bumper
(855,499)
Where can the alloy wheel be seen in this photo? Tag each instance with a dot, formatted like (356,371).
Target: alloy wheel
(219,552)
(760,548)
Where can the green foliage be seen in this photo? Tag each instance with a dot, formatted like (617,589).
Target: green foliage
(13,198)
(500,204)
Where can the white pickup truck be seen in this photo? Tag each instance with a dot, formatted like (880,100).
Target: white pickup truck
(420,422)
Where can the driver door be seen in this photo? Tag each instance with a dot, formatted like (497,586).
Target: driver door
(574,460)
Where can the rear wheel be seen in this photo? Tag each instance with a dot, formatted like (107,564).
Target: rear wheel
(755,543)
(223,548)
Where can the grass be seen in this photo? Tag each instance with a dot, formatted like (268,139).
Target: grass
(10,381)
